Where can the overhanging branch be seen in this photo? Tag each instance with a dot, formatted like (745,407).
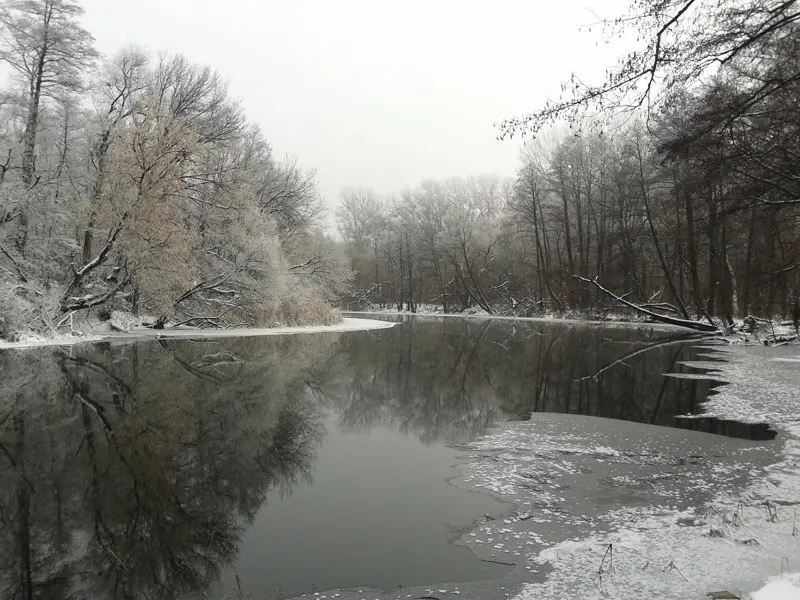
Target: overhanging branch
(687,323)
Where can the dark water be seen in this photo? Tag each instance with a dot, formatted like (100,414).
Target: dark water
(301,463)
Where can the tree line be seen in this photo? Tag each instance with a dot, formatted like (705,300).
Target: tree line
(137,183)
(675,184)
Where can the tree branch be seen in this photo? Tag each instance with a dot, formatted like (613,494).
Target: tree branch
(689,324)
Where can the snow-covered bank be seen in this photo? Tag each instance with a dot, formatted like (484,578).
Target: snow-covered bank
(704,515)
(763,331)
(144,333)
(551,319)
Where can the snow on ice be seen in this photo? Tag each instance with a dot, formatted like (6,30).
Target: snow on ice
(700,514)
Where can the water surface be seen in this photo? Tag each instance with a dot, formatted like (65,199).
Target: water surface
(302,463)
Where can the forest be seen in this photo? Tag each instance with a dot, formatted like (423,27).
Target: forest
(136,183)
(674,184)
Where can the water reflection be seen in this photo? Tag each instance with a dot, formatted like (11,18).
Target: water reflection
(448,379)
(134,470)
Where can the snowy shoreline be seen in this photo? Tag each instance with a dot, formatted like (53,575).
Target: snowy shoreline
(546,319)
(744,540)
(144,333)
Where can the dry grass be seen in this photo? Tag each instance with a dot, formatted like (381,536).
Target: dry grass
(306,311)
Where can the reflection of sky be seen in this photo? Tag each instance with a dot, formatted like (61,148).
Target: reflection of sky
(378,513)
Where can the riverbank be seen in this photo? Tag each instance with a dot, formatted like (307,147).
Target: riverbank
(482,315)
(145,333)
(770,332)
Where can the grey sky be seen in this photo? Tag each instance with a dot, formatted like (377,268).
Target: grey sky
(369,92)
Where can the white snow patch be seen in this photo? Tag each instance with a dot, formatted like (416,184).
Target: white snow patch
(550,319)
(124,321)
(697,376)
(780,588)
(143,333)
(760,388)
(37,341)
(660,557)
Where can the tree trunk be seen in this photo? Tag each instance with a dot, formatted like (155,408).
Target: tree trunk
(411,306)
(689,324)
(656,243)
(713,258)
(690,239)
(567,235)
(749,262)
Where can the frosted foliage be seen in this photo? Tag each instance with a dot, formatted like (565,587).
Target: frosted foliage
(181,210)
(16,309)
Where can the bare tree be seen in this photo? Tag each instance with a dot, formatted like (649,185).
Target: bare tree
(45,45)
(680,43)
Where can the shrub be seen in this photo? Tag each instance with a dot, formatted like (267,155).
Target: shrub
(17,311)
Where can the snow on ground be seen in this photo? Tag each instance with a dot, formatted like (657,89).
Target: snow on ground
(686,513)
(786,587)
(676,556)
(32,340)
(143,333)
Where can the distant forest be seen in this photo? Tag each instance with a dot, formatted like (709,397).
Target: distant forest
(136,183)
(674,183)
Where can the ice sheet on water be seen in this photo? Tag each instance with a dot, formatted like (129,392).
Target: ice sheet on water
(677,556)
(736,541)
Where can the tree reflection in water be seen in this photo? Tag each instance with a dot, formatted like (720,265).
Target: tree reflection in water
(133,470)
(448,379)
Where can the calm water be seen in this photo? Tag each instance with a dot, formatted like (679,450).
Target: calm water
(301,463)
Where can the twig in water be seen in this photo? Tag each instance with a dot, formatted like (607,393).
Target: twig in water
(238,586)
(737,518)
(749,542)
(772,511)
(713,510)
(240,591)
(208,560)
(117,558)
(598,581)
(672,566)
(716,533)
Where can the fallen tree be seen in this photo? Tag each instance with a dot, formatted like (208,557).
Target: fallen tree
(666,319)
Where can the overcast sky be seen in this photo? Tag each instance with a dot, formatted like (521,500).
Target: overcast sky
(375,93)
